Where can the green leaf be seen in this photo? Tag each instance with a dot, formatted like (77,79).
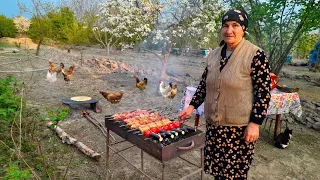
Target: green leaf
(39,167)
(53,118)
(43,117)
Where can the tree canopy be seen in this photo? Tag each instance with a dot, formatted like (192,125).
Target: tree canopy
(123,23)
(276,25)
(189,23)
(7,27)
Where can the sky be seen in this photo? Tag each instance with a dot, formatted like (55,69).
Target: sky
(10,8)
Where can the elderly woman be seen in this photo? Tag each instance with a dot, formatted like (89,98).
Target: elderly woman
(235,88)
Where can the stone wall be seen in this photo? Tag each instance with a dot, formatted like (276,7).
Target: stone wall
(315,67)
(310,116)
(311,109)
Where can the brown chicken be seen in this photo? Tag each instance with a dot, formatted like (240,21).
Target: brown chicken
(141,84)
(68,75)
(58,70)
(114,98)
(173,92)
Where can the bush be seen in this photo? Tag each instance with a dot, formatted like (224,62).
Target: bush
(9,102)
(7,27)
(14,173)
(56,114)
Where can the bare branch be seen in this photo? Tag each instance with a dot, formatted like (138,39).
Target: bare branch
(157,55)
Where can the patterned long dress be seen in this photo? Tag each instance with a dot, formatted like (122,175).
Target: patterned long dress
(226,154)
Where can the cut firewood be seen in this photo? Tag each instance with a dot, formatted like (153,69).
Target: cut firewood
(66,138)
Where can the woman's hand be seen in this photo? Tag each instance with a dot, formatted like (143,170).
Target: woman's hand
(185,113)
(251,134)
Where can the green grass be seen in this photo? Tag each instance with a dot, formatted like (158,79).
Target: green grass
(5,44)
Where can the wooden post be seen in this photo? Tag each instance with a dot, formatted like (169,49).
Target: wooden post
(196,121)
(276,126)
(107,153)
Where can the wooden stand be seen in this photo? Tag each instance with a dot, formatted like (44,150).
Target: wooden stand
(92,102)
(277,125)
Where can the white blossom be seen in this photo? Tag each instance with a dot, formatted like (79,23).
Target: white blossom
(22,23)
(187,20)
(126,22)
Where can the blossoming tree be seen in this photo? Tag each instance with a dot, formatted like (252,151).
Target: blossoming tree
(187,22)
(126,22)
(22,24)
(123,23)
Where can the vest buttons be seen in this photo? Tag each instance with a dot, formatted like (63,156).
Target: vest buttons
(219,77)
(218,89)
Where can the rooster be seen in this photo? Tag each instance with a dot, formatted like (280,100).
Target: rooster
(113,98)
(173,92)
(51,76)
(141,84)
(58,70)
(165,90)
(68,75)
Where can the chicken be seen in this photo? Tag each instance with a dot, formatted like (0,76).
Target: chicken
(58,70)
(173,92)
(165,90)
(51,76)
(68,75)
(141,84)
(113,98)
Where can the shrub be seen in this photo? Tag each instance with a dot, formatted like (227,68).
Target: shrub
(7,27)
(14,173)
(9,102)
(56,114)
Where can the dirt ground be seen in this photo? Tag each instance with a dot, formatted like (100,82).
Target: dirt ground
(23,42)
(301,160)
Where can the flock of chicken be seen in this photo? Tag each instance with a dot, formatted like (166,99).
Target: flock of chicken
(168,91)
(53,71)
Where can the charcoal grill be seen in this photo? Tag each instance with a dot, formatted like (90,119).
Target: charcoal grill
(156,149)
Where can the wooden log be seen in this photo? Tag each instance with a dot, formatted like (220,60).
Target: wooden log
(66,138)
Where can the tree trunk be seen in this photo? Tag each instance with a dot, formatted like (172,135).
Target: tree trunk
(81,58)
(166,49)
(108,49)
(256,27)
(280,61)
(164,66)
(38,47)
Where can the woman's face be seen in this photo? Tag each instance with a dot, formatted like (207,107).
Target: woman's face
(232,32)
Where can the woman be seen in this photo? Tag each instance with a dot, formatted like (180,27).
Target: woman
(235,88)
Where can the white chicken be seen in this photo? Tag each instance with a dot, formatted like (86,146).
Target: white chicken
(51,76)
(165,90)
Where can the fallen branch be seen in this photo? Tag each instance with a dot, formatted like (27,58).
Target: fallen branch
(66,138)
(97,124)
